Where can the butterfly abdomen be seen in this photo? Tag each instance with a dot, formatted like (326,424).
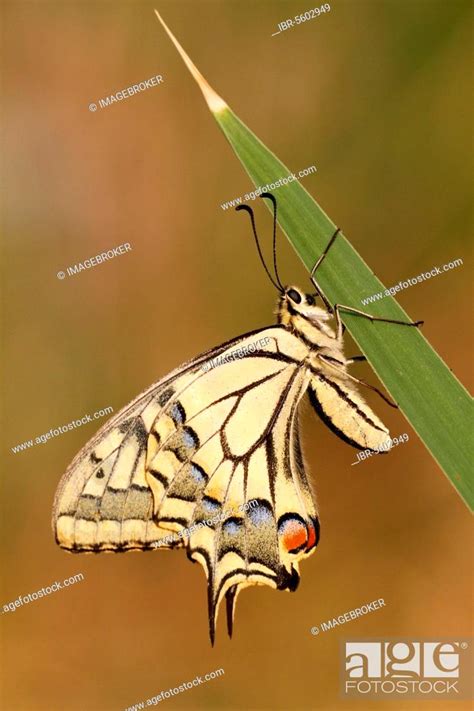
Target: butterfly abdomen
(345,412)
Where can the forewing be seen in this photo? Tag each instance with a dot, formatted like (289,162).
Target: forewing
(104,501)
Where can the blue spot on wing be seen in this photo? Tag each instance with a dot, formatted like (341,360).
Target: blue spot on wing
(177,413)
(210,504)
(190,438)
(261,514)
(232,526)
(198,474)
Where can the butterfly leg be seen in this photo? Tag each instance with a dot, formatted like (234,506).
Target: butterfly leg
(338,307)
(364,314)
(357,380)
(318,263)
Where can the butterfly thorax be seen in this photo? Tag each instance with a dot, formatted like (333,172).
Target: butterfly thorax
(298,312)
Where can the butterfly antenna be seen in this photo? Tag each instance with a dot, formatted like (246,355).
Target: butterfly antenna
(273,199)
(254,229)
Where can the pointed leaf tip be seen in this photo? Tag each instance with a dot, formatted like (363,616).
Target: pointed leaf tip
(213,100)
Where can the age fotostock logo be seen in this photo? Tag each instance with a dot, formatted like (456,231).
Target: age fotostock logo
(409,668)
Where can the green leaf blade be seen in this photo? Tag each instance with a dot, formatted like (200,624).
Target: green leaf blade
(435,403)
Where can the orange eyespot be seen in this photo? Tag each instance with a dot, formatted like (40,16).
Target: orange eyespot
(293,533)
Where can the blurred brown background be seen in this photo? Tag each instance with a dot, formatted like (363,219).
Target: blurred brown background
(376,94)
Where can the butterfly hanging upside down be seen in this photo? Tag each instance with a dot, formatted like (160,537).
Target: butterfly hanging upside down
(205,441)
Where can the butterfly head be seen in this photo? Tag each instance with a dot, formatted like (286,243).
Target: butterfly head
(299,310)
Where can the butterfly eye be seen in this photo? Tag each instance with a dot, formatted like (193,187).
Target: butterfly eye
(310,300)
(294,296)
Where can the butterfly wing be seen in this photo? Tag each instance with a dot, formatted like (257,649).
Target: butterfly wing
(261,516)
(104,501)
(210,453)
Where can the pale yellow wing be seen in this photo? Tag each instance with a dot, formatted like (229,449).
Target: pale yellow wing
(216,441)
(103,501)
